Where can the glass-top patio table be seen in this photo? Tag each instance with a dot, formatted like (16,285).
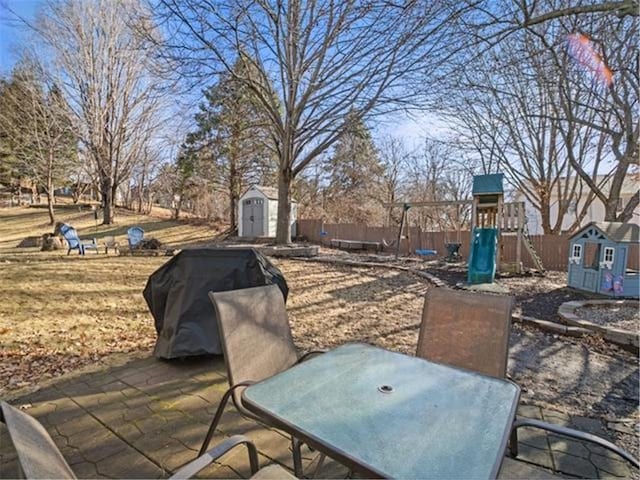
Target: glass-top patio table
(385,414)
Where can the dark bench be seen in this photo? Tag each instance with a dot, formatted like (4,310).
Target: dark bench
(356,245)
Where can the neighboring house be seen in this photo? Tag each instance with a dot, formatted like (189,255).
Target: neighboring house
(595,211)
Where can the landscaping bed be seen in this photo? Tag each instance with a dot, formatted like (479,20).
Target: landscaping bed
(537,296)
(625,316)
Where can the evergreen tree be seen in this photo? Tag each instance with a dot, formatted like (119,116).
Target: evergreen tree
(232,136)
(354,193)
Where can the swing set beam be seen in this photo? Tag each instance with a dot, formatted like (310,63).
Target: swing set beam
(443,203)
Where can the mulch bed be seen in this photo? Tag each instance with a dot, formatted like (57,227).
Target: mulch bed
(625,317)
(539,297)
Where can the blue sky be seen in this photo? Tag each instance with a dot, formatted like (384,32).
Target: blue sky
(10,34)
(412,130)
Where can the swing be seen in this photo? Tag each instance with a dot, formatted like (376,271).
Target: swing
(427,252)
(453,248)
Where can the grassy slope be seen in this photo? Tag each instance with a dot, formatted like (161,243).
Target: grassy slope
(59,312)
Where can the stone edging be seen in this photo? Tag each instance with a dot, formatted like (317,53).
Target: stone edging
(618,336)
(576,329)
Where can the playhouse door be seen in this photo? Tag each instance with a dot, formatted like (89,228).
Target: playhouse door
(590,280)
(591,266)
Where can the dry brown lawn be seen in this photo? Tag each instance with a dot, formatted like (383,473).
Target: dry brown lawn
(59,313)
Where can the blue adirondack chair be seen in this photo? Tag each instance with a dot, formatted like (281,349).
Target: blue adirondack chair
(75,243)
(135,236)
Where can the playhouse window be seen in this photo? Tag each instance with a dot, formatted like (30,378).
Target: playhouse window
(608,255)
(576,252)
(591,255)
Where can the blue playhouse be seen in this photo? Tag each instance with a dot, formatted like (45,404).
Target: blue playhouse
(599,259)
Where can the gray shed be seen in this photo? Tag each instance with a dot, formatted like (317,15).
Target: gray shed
(258,213)
(600,257)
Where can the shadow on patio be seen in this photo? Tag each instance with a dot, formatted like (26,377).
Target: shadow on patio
(148,417)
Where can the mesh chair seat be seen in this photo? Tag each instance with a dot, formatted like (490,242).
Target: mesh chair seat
(467,330)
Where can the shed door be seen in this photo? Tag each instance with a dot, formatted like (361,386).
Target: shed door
(253,217)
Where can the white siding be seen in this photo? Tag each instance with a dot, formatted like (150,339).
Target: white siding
(272,218)
(252,193)
(294,218)
(595,213)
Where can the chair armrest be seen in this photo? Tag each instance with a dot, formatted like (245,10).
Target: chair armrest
(203,461)
(577,434)
(306,355)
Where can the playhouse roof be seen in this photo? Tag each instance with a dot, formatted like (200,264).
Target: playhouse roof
(615,231)
(488,184)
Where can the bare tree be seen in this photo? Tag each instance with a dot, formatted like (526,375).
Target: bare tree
(587,103)
(507,115)
(395,156)
(531,14)
(143,176)
(232,136)
(323,58)
(435,173)
(34,115)
(594,121)
(104,68)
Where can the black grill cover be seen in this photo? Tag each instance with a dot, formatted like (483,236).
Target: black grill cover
(177,295)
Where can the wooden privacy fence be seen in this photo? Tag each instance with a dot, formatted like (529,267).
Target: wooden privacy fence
(552,249)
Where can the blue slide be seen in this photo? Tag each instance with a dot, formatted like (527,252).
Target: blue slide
(482,259)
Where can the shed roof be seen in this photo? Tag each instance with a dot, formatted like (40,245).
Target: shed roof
(488,184)
(615,231)
(270,192)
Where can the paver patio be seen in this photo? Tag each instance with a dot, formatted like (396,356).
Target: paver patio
(146,418)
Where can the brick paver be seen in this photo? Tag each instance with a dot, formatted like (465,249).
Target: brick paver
(147,418)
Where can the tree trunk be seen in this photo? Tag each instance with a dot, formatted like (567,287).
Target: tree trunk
(106,190)
(283,232)
(233,198)
(114,191)
(50,201)
(627,213)
(545,213)
(610,209)
(141,187)
(233,206)
(177,208)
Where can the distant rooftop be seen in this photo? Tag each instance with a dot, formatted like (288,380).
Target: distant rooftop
(615,231)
